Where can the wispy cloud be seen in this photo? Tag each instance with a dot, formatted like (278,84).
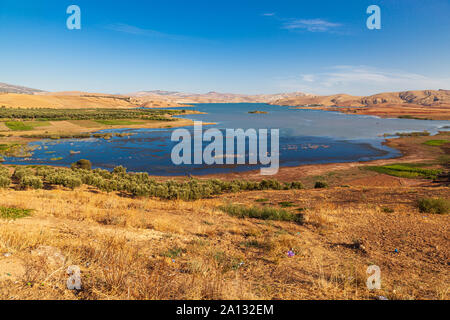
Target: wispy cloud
(311,25)
(129,29)
(361,80)
(269,14)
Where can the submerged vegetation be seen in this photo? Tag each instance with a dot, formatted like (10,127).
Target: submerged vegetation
(15,150)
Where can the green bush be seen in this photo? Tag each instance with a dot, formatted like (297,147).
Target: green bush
(65,179)
(120,170)
(31,182)
(266,213)
(434,206)
(320,185)
(82,164)
(4,172)
(21,172)
(4,182)
(295,185)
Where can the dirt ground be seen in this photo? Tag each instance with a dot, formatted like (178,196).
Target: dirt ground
(151,249)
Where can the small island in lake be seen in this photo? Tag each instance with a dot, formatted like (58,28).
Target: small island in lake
(258,112)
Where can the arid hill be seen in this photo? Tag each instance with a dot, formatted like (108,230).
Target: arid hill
(78,100)
(424,104)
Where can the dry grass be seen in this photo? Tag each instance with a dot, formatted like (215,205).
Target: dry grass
(149,249)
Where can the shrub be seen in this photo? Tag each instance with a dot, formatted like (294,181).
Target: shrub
(434,206)
(295,185)
(4,182)
(320,185)
(120,170)
(31,182)
(21,172)
(4,172)
(266,213)
(82,164)
(65,179)
(286,204)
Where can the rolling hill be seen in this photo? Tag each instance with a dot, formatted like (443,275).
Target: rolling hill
(9,88)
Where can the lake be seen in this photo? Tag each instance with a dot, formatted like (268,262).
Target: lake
(306,137)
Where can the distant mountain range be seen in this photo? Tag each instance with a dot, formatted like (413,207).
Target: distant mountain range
(213,97)
(419,97)
(9,88)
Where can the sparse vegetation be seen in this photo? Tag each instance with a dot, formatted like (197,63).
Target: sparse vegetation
(412,117)
(265,213)
(9,114)
(14,213)
(434,205)
(436,143)
(286,204)
(409,134)
(117,122)
(18,126)
(411,171)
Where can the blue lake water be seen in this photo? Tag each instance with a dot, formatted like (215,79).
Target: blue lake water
(306,137)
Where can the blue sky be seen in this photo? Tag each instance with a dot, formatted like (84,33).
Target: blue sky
(318,46)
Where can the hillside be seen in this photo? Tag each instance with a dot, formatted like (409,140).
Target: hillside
(9,88)
(425,104)
(78,100)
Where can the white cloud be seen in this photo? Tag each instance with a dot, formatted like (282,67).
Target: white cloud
(361,80)
(312,25)
(269,14)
